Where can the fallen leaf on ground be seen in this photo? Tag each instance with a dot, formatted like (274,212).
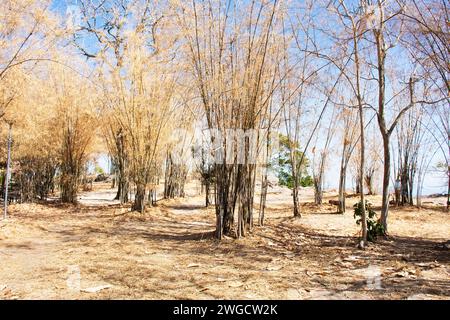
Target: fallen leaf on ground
(96,289)
(402,274)
(309,273)
(351,258)
(274,268)
(235,284)
(193,265)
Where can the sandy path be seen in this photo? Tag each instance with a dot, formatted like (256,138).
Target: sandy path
(54,251)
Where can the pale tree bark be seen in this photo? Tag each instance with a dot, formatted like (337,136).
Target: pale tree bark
(360,103)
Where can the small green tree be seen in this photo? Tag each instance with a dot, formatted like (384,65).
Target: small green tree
(282,164)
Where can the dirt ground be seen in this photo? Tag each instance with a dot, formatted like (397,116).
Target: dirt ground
(98,250)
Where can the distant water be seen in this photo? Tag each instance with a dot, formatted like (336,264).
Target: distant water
(434,182)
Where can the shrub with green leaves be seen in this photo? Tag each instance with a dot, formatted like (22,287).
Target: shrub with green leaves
(282,163)
(374,227)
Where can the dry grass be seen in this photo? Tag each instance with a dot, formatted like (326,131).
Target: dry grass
(169,253)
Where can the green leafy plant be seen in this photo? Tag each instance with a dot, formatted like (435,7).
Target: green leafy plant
(99,170)
(374,227)
(282,164)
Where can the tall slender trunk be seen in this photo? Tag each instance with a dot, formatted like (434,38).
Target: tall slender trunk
(381,56)
(242,198)
(342,178)
(295,188)
(123,188)
(361,178)
(318,190)
(8,173)
(362,142)
(262,203)
(318,181)
(123,184)
(150,197)
(207,192)
(251,195)
(419,190)
(386,176)
(113,182)
(411,186)
(295,201)
(448,189)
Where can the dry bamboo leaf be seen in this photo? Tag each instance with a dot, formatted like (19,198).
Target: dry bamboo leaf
(235,284)
(309,273)
(193,265)
(97,288)
(351,258)
(274,268)
(401,274)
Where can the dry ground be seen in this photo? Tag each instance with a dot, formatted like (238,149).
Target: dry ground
(169,253)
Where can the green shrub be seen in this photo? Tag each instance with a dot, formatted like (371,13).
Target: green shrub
(282,164)
(374,227)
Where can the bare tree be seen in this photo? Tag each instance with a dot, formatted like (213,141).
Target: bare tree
(427,38)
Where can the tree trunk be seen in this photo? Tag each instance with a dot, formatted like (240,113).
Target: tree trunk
(342,177)
(152,196)
(251,195)
(225,198)
(361,126)
(69,188)
(139,198)
(448,189)
(411,187)
(296,179)
(318,181)
(122,178)
(297,213)
(262,203)
(123,189)
(175,178)
(381,56)
(386,176)
(207,192)
(419,190)
(361,178)
(318,190)
(113,182)
(357,185)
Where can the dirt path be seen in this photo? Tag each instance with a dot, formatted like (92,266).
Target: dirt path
(54,251)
